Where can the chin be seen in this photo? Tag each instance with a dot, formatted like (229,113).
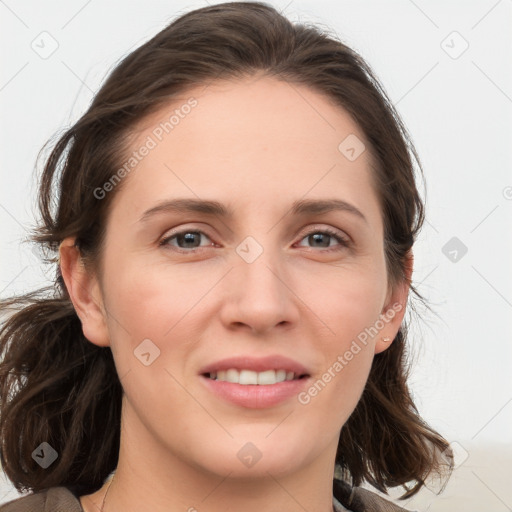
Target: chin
(256,454)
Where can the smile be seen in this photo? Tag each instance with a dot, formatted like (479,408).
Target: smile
(246,377)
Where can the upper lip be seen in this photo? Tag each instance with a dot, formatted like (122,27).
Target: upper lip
(256,364)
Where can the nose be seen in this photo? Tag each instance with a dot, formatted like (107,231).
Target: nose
(259,296)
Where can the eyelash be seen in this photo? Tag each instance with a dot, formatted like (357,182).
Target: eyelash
(343,242)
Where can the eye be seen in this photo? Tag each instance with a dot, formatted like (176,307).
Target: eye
(187,239)
(323,238)
(191,240)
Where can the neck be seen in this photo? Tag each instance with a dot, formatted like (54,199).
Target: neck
(221,494)
(149,478)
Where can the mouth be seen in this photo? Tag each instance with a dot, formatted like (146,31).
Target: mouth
(255,383)
(250,377)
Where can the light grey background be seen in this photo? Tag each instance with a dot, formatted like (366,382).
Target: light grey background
(457,105)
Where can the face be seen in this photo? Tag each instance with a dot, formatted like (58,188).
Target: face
(259,285)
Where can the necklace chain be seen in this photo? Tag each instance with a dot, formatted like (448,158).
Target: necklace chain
(105,497)
(108,489)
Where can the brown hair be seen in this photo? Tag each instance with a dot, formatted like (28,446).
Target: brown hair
(57,387)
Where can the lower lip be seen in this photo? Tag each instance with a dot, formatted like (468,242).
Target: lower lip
(255,396)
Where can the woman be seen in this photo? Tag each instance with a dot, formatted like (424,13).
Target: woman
(235,215)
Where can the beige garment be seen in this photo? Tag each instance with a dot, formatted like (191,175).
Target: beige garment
(55,499)
(61,499)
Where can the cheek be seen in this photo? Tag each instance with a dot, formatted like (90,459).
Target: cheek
(349,306)
(151,335)
(346,300)
(347,358)
(155,300)
(150,311)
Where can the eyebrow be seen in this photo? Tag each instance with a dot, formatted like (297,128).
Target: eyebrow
(214,208)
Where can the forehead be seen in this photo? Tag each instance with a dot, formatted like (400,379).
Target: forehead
(258,107)
(255,140)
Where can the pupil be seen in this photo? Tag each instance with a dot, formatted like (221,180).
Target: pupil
(317,237)
(189,237)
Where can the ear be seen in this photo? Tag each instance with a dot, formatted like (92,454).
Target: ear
(85,293)
(394,309)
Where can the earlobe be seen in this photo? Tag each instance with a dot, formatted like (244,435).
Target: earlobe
(394,310)
(84,292)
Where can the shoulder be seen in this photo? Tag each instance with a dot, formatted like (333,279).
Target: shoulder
(61,499)
(55,499)
(357,499)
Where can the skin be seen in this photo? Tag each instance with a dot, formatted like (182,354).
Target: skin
(255,145)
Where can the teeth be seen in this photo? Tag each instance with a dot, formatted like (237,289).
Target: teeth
(231,375)
(268,377)
(246,377)
(280,375)
(249,377)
